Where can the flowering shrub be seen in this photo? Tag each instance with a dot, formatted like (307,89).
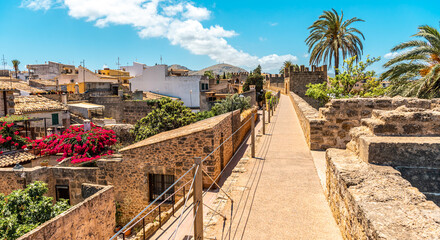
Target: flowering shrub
(10,137)
(80,145)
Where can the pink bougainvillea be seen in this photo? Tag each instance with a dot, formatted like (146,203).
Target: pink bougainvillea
(79,145)
(9,137)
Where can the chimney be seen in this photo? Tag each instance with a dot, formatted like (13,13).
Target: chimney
(64,98)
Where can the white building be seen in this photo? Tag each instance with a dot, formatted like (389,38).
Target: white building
(136,70)
(158,80)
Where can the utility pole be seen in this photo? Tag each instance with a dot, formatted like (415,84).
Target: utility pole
(119,73)
(84,74)
(4,62)
(160,59)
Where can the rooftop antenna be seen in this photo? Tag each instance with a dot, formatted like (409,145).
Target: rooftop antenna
(160,59)
(4,62)
(118,64)
(119,73)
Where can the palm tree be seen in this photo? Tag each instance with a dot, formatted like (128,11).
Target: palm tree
(415,71)
(287,64)
(330,36)
(15,64)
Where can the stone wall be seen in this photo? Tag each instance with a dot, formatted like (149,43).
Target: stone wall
(375,202)
(73,177)
(94,218)
(170,153)
(123,111)
(298,79)
(331,126)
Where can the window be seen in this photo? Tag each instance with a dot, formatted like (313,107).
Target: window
(55,120)
(204,87)
(62,192)
(158,184)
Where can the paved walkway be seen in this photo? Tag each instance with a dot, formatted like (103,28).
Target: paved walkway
(284,199)
(277,195)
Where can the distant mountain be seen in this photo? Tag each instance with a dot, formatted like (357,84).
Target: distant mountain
(219,69)
(177,66)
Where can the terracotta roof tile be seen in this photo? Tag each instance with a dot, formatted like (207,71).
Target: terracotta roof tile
(12,158)
(36,103)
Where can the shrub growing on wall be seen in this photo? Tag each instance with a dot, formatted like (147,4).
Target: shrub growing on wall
(343,84)
(80,145)
(23,210)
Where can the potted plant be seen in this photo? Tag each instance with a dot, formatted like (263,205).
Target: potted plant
(44,163)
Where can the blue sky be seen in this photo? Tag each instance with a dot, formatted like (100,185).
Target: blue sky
(195,34)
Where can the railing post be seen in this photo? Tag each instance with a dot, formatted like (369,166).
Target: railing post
(198,200)
(264,121)
(143,226)
(253,135)
(160,218)
(268,113)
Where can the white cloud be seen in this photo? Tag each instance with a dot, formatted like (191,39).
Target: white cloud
(179,22)
(196,13)
(39,4)
(391,55)
(273,24)
(262,39)
(104,66)
(306,55)
(173,10)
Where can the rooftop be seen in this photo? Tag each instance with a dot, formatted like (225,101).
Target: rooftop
(85,105)
(12,158)
(36,103)
(44,82)
(19,85)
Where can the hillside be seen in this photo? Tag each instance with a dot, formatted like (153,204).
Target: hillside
(177,66)
(220,69)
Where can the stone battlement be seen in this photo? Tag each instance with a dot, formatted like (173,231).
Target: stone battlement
(330,126)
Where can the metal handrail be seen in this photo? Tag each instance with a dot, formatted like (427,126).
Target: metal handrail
(252,116)
(155,200)
(152,210)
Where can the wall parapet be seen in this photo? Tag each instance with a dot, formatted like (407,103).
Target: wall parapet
(331,126)
(94,218)
(375,202)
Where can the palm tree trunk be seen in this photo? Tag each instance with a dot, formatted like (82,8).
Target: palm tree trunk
(16,74)
(337,62)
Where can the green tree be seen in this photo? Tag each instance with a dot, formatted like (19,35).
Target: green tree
(257,70)
(25,209)
(342,85)
(287,64)
(330,36)
(231,103)
(209,74)
(255,78)
(15,64)
(416,70)
(166,116)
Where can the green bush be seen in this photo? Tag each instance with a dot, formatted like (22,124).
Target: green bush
(231,103)
(167,115)
(25,209)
